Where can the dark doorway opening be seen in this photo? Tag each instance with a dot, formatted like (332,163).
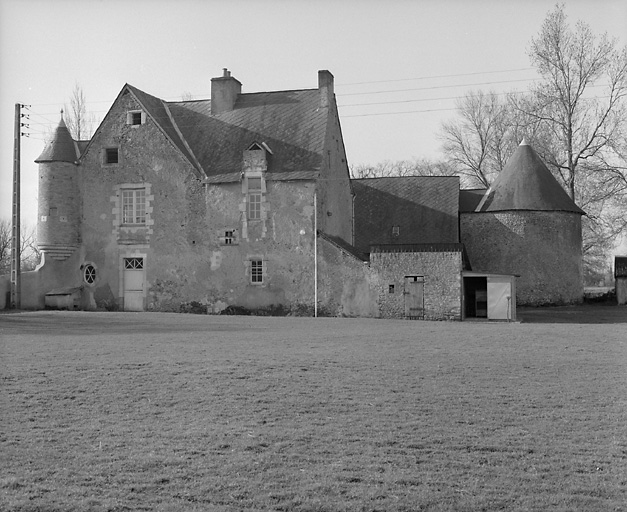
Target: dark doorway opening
(476,297)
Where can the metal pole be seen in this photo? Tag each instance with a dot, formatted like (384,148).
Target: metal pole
(16,280)
(315,254)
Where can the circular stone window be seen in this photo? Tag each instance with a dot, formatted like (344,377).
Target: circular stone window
(89,273)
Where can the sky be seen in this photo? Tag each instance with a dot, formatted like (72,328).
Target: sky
(399,65)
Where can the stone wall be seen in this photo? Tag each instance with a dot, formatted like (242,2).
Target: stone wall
(543,248)
(175,221)
(347,286)
(442,282)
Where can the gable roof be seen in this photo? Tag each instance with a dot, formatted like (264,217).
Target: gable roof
(525,183)
(425,209)
(289,122)
(158,110)
(61,148)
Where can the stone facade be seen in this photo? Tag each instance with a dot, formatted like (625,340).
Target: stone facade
(543,248)
(441,271)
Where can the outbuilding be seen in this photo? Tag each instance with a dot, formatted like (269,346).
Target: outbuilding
(488,296)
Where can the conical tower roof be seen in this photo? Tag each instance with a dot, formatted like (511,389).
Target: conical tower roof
(525,183)
(61,148)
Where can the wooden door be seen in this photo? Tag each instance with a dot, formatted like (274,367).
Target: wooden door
(414,297)
(133,284)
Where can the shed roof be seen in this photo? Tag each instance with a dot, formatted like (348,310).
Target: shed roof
(423,208)
(525,183)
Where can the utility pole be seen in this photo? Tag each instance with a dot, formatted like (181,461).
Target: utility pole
(16,278)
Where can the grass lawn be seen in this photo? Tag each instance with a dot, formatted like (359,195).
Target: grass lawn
(165,412)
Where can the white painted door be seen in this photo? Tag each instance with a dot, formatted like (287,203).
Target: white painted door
(133,284)
(499,298)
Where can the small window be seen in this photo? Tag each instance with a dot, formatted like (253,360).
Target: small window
(229,237)
(111,156)
(135,117)
(391,289)
(256,271)
(396,230)
(134,206)
(254,206)
(89,273)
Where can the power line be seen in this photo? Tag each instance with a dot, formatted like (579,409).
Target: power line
(434,76)
(438,87)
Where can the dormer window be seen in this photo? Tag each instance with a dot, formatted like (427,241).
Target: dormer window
(135,117)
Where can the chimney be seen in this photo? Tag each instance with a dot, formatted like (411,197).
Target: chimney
(224,92)
(325,86)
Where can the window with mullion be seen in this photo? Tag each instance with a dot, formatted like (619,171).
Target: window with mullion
(256,271)
(134,206)
(254,206)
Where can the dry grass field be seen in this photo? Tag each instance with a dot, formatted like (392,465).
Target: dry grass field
(166,412)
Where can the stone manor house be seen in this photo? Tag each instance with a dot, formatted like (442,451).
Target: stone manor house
(244,200)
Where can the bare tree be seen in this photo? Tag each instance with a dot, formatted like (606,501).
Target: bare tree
(29,254)
(5,246)
(414,167)
(575,118)
(586,126)
(79,121)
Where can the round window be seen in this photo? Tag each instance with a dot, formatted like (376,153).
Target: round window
(89,273)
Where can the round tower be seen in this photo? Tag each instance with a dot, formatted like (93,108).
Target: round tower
(58,222)
(526,224)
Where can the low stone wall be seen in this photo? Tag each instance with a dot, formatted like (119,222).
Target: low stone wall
(346,285)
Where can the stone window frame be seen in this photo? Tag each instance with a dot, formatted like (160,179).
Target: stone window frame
(135,197)
(90,273)
(116,211)
(260,192)
(133,115)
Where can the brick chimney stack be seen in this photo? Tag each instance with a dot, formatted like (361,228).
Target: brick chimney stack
(325,86)
(224,92)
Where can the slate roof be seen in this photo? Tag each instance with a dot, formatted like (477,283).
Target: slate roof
(525,183)
(425,209)
(289,122)
(61,148)
(469,199)
(345,246)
